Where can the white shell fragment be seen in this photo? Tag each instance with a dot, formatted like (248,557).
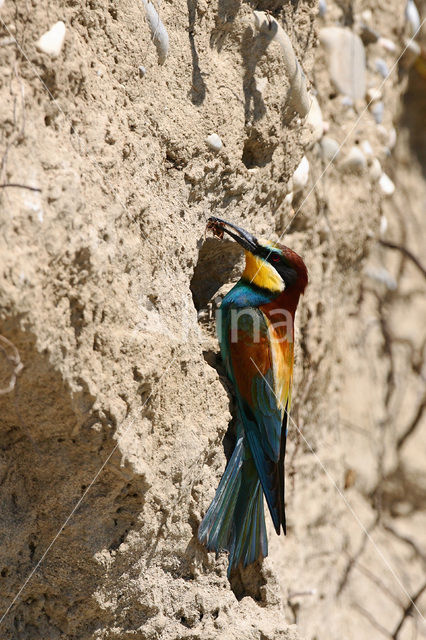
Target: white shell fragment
(366,147)
(392,138)
(346,60)
(412,17)
(377,110)
(412,51)
(330,148)
(300,176)
(387,44)
(382,275)
(142,71)
(355,161)
(381,67)
(314,119)
(383,225)
(289,198)
(159,34)
(375,170)
(214,142)
(386,185)
(269,27)
(52,41)
(373,94)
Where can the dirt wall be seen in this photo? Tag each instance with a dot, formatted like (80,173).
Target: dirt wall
(112,433)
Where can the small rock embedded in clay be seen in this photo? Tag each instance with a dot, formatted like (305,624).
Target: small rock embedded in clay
(314,119)
(300,177)
(377,110)
(159,34)
(354,162)
(346,60)
(381,67)
(412,17)
(382,275)
(366,148)
(373,94)
(386,185)
(214,142)
(142,71)
(387,44)
(411,52)
(392,138)
(52,41)
(268,27)
(375,170)
(330,148)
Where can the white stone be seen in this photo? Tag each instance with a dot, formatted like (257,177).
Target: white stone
(301,175)
(289,198)
(366,147)
(346,60)
(367,15)
(377,110)
(386,185)
(214,142)
(387,44)
(314,119)
(382,275)
(347,102)
(330,148)
(142,71)
(392,138)
(383,225)
(381,67)
(261,84)
(412,17)
(52,41)
(373,94)
(412,51)
(322,6)
(355,161)
(375,170)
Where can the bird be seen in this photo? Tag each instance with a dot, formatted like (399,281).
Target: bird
(255,327)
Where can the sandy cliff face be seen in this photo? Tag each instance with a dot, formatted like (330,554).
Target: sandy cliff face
(112,435)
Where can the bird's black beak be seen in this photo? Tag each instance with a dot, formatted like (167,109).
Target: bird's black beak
(244,238)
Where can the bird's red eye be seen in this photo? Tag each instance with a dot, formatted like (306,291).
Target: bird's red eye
(275,258)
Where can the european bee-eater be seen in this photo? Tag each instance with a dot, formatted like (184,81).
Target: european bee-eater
(255,331)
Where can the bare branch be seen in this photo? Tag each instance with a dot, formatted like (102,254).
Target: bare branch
(405,252)
(372,620)
(413,425)
(19,186)
(407,611)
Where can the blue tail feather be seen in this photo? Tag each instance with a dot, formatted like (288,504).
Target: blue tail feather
(235,520)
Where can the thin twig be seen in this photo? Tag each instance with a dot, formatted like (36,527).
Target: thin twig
(406,252)
(408,610)
(369,574)
(19,186)
(413,425)
(405,539)
(372,620)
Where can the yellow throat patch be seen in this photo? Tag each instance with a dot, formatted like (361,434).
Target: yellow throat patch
(262,274)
